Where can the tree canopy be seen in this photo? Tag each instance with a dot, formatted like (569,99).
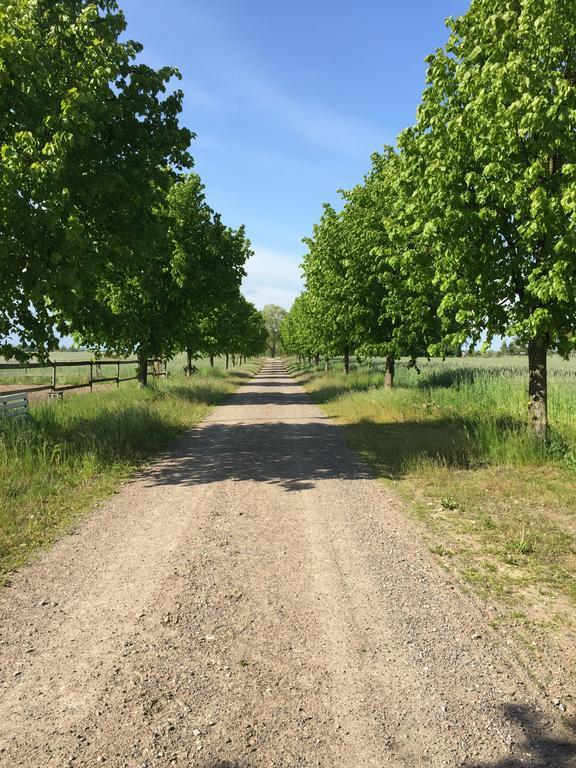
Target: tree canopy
(104,231)
(88,140)
(273,316)
(495,196)
(467,230)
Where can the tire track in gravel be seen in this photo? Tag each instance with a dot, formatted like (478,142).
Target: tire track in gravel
(254,598)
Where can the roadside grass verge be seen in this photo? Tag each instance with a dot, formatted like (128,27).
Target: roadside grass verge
(70,454)
(494,505)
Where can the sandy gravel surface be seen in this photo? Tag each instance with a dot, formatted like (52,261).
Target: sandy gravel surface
(255,599)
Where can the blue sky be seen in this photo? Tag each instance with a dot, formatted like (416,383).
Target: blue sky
(288,101)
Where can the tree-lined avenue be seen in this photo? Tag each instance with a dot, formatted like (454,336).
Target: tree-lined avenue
(255,598)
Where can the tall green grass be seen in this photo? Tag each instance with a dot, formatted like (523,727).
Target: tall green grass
(53,467)
(463,413)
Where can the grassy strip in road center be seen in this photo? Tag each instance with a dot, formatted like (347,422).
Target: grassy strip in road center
(54,468)
(493,505)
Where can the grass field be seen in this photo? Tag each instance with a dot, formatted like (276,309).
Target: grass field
(70,454)
(453,442)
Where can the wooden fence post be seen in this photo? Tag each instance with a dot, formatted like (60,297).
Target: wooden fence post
(118,374)
(54,369)
(91,375)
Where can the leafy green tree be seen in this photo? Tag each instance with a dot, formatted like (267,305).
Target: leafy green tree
(250,331)
(394,304)
(273,316)
(325,270)
(232,328)
(301,329)
(181,293)
(137,306)
(208,264)
(255,337)
(495,157)
(87,138)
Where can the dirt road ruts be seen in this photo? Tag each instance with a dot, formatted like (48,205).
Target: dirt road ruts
(255,599)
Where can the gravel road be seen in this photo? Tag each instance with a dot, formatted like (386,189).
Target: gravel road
(255,598)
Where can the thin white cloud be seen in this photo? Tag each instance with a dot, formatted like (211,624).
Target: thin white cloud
(273,278)
(314,123)
(239,73)
(274,268)
(261,295)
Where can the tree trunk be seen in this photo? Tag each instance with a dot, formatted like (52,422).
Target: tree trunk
(233,360)
(273,350)
(189,356)
(211,361)
(309,361)
(317,359)
(389,374)
(326,364)
(347,360)
(142,370)
(227,360)
(538,388)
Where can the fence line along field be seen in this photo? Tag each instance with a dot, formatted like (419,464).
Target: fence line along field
(72,369)
(57,377)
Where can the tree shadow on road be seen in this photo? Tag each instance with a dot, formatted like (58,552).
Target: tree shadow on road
(268,398)
(540,748)
(293,454)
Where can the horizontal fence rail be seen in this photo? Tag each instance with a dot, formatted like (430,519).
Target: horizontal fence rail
(156,368)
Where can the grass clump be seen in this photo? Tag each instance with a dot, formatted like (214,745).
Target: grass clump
(56,465)
(448,502)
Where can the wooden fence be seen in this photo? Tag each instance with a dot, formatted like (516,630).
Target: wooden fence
(95,368)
